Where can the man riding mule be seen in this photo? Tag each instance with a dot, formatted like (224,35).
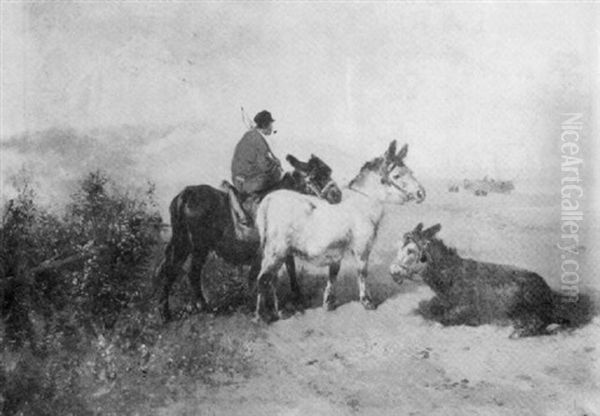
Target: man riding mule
(202,222)
(254,171)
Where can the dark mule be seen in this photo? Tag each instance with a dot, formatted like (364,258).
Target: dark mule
(469,292)
(201,222)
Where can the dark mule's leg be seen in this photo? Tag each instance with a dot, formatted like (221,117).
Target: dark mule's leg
(329,301)
(199,255)
(251,281)
(176,254)
(297,298)
(253,275)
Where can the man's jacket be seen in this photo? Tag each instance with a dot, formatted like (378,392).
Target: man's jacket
(254,168)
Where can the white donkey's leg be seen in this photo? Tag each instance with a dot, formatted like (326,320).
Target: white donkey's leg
(267,278)
(364,294)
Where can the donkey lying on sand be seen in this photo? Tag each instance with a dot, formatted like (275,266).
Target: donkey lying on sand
(474,293)
(293,224)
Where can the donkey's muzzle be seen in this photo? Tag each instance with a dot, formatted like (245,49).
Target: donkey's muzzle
(334,195)
(400,273)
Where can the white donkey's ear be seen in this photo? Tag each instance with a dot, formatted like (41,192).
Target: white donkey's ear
(402,153)
(390,153)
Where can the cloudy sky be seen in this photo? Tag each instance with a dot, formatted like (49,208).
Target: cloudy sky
(474,88)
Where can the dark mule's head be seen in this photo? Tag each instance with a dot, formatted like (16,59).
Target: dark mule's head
(314,178)
(414,253)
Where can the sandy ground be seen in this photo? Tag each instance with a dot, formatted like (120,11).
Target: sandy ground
(392,360)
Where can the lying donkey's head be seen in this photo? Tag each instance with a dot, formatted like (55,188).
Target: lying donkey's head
(414,254)
(314,178)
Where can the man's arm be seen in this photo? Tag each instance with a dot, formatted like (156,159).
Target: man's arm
(264,160)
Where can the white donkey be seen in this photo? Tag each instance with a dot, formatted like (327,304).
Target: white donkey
(321,233)
(290,223)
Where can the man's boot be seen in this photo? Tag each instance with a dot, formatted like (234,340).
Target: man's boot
(242,222)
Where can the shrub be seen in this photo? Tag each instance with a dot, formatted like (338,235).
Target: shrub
(117,231)
(64,280)
(109,234)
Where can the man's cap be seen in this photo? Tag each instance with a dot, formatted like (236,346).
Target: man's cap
(263,119)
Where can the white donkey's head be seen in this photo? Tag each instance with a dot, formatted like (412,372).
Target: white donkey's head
(389,179)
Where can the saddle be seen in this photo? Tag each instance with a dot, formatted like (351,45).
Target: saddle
(243,212)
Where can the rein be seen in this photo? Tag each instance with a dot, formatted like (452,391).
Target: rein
(315,190)
(357,191)
(327,186)
(385,179)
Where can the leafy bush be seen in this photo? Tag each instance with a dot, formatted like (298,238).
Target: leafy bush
(117,232)
(109,236)
(67,278)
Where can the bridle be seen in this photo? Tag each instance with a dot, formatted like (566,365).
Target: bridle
(422,247)
(422,251)
(385,179)
(314,189)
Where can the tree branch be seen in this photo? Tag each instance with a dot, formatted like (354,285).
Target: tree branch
(28,278)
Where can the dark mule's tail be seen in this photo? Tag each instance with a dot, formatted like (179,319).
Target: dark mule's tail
(179,246)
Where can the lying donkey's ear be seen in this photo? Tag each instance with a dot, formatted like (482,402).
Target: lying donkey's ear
(296,164)
(432,231)
(418,228)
